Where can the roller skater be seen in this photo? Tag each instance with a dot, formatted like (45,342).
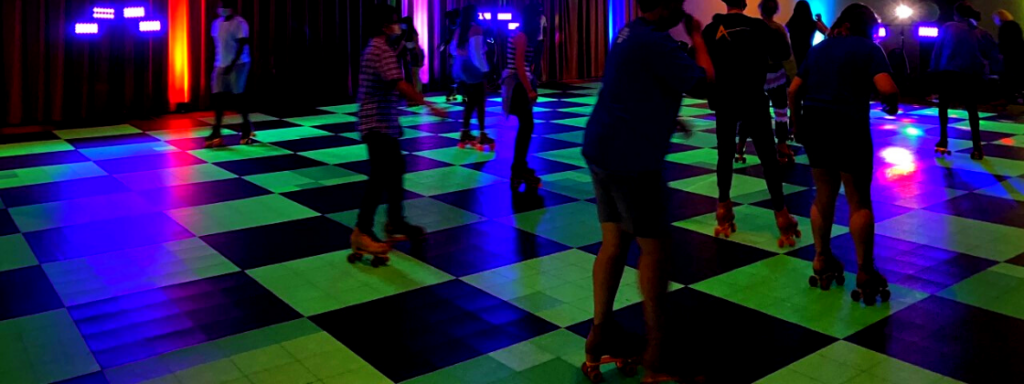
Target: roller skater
(726,220)
(231,71)
(831,100)
(518,93)
(942,148)
(780,75)
(469,69)
(871,286)
(364,245)
(788,228)
(743,50)
(827,269)
(609,343)
(485,142)
(466,139)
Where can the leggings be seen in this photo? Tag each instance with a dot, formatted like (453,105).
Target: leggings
(963,88)
(475,101)
(387,167)
(757,126)
(523,111)
(779,98)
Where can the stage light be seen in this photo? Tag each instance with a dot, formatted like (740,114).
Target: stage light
(504,16)
(485,16)
(103,13)
(134,12)
(904,12)
(513,26)
(149,26)
(87,28)
(928,31)
(882,32)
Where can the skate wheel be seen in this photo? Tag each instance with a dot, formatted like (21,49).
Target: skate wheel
(813,281)
(798,233)
(826,283)
(378,261)
(840,279)
(627,368)
(592,372)
(869,298)
(885,295)
(353,258)
(855,295)
(462,146)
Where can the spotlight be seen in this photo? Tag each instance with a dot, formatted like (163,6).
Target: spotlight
(485,16)
(882,32)
(149,26)
(134,12)
(927,31)
(504,16)
(103,13)
(87,28)
(513,26)
(904,12)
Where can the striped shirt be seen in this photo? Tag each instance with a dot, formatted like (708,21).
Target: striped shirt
(510,55)
(377,96)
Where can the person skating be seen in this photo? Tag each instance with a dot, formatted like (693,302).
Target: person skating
(625,144)
(741,48)
(230,71)
(469,70)
(518,89)
(830,99)
(380,86)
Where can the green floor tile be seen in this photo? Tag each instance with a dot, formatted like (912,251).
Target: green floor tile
(128,150)
(1015,141)
(977,238)
(347,108)
(174,176)
(432,215)
(483,369)
(178,134)
(87,279)
(572,156)
(48,174)
(843,362)
(953,113)
(288,181)
(691,111)
(912,195)
(458,156)
(587,110)
(449,179)
(238,152)
(705,158)
(573,224)
(327,282)
(575,183)
(708,141)
(284,134)
(239,214)
(698,124)
(339,155)
(692,101)
(78,211)
(745,189)
(413,120)
(990,165)
(237,119)
(424,109)
(1009,189)
(576,122)
(408,133)
(999,289)
(82,133)
(34,147)
(364,374)
(590,100)
(43,348)
(16,253)
(220,371)
(778,286)
(572,137)
(522,356)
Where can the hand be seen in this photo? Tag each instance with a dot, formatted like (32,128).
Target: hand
(817,18)
(693,26)
(533,96)
(437,111)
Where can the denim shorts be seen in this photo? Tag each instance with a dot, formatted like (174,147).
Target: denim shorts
(638,202)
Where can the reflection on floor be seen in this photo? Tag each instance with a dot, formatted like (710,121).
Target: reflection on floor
(131,254)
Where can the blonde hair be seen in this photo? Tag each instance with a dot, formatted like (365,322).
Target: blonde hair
(1003,15)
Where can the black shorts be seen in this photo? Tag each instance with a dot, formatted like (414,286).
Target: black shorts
(638,202)
(837,143)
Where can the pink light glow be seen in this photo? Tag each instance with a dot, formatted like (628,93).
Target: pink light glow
(87,28)
(901,160)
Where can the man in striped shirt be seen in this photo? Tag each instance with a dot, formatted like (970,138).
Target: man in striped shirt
(381,82)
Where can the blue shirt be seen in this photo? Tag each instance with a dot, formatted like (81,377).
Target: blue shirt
(839,74)
(645,77)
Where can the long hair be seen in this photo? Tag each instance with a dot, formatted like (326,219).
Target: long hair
(802,16)
(531,21)
(858,19)
(469,16)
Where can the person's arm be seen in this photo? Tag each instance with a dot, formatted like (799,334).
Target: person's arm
(676,70)
(242,40)
(820,25)
(700,48)
(521,45)
(391,72)
(890,94)
(476,49)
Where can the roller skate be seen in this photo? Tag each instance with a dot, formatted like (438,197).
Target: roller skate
(826,270)
(977,154)
(654,365)
(485,141)
(788,228)
(247,137)
(403,231)
(942,148)
(365,244)
(608,343)
(214,142)
(525,176)
(466,139)
(726,220)
(870,285)
(741,158)
(785,154)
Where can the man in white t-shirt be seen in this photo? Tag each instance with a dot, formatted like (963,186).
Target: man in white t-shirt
(538,45)
(230,70)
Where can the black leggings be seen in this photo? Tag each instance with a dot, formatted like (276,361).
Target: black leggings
(757,126)
(963,88)
(387,167)
(222,101)
(523,111)
(475,99)
(779,98)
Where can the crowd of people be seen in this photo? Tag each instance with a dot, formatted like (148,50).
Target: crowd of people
(738,62)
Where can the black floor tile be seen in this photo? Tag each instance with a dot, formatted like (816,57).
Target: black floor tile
(316,143)
(556,115)
(551,128)
(28,137)
(107,141)
(338,127)
(26,291)
(413,163)
(61,190)
(423,330)
(270,164)
(426,143)
(136,326)
(92,378)
(291,112)
(256,247)
(210,192)
(273,124)
(685,205)
(800,204)
(7,225)
(502,166)
(168,123)
(477,247)
(1000,151)
(334,198)
(964,342)
(41,159)
(148,162)
(498,200)
(984,208)
(82,240)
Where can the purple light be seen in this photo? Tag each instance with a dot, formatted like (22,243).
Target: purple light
(504,16)
(149,26)
(928,31)
(134,12)
(882,32)
(103,13)
(87,28)
(512,26)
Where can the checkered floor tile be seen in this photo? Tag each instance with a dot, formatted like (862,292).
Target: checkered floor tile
(130,254)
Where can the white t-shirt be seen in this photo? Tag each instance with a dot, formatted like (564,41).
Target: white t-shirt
(543,26)
(225,37)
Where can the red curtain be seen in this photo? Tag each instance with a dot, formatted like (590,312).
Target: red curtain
(50,74)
